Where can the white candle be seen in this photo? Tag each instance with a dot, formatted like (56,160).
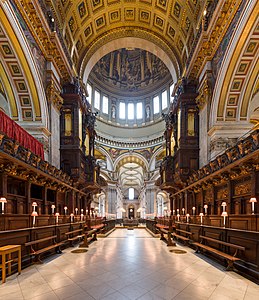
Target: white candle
(183,210)
(2,208)
(82,217)
(65,209)
(52,208)
(178,217)
(76,210)
(193,210)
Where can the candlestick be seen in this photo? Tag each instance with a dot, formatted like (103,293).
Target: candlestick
(178,217)
(193,210)
(201,215)
(187,218)
(52,208)
(65,209)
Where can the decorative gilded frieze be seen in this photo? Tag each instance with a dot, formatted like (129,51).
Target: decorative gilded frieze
(53,95)
(209,41)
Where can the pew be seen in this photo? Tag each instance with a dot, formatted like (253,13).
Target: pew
(89,236)
(229,258)
(74,235)
(40,246)
(165,228)
(183,235)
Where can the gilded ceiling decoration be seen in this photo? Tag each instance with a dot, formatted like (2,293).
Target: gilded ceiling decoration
(172,24)
(130,70)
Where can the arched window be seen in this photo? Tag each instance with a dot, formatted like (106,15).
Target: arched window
(131,193)
(122,110)
(97,100)
(105,105)
(139,110)
(131,114)
(156,105)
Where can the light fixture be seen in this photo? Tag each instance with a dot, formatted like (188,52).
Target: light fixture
(224,204)
(65,209)
(187,218)
(224,215)
(57,215)
(34,214)
(3,201)
(52,209)
(34,204)
(71,217)
(76,210)
(193,210)
(253,201)
(201,215)
(206,209)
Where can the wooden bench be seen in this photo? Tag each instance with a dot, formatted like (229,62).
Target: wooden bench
(36,250)
(89,236)
(164,226)
(229,258)
(185,238)
(74,235)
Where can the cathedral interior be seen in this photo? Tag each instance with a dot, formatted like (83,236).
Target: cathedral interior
(129,114)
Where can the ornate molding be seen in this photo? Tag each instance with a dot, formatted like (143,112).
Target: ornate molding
(53,95)
(210,40)
(137,32)
(45,35)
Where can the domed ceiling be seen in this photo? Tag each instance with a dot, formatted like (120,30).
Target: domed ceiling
(134,71)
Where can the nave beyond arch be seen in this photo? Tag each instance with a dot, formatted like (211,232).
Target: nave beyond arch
(130,113)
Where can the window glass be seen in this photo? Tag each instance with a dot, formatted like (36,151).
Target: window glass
(131,193)
(105,106)
(164,100)
(122,110)
(97,100)
(139,110)
(131,111)
(156,105)
(90,93)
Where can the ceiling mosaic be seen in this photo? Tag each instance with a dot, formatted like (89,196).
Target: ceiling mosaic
(130,70)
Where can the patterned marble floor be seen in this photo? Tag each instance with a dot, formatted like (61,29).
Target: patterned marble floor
(129,264)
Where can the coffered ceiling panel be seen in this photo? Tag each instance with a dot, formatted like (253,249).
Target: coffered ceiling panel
(86,24)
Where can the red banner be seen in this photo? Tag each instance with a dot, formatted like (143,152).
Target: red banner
(16,132)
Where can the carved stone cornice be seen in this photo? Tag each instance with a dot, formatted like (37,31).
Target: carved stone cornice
(205,94)
(210,39)
(53,95)
(46,37)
